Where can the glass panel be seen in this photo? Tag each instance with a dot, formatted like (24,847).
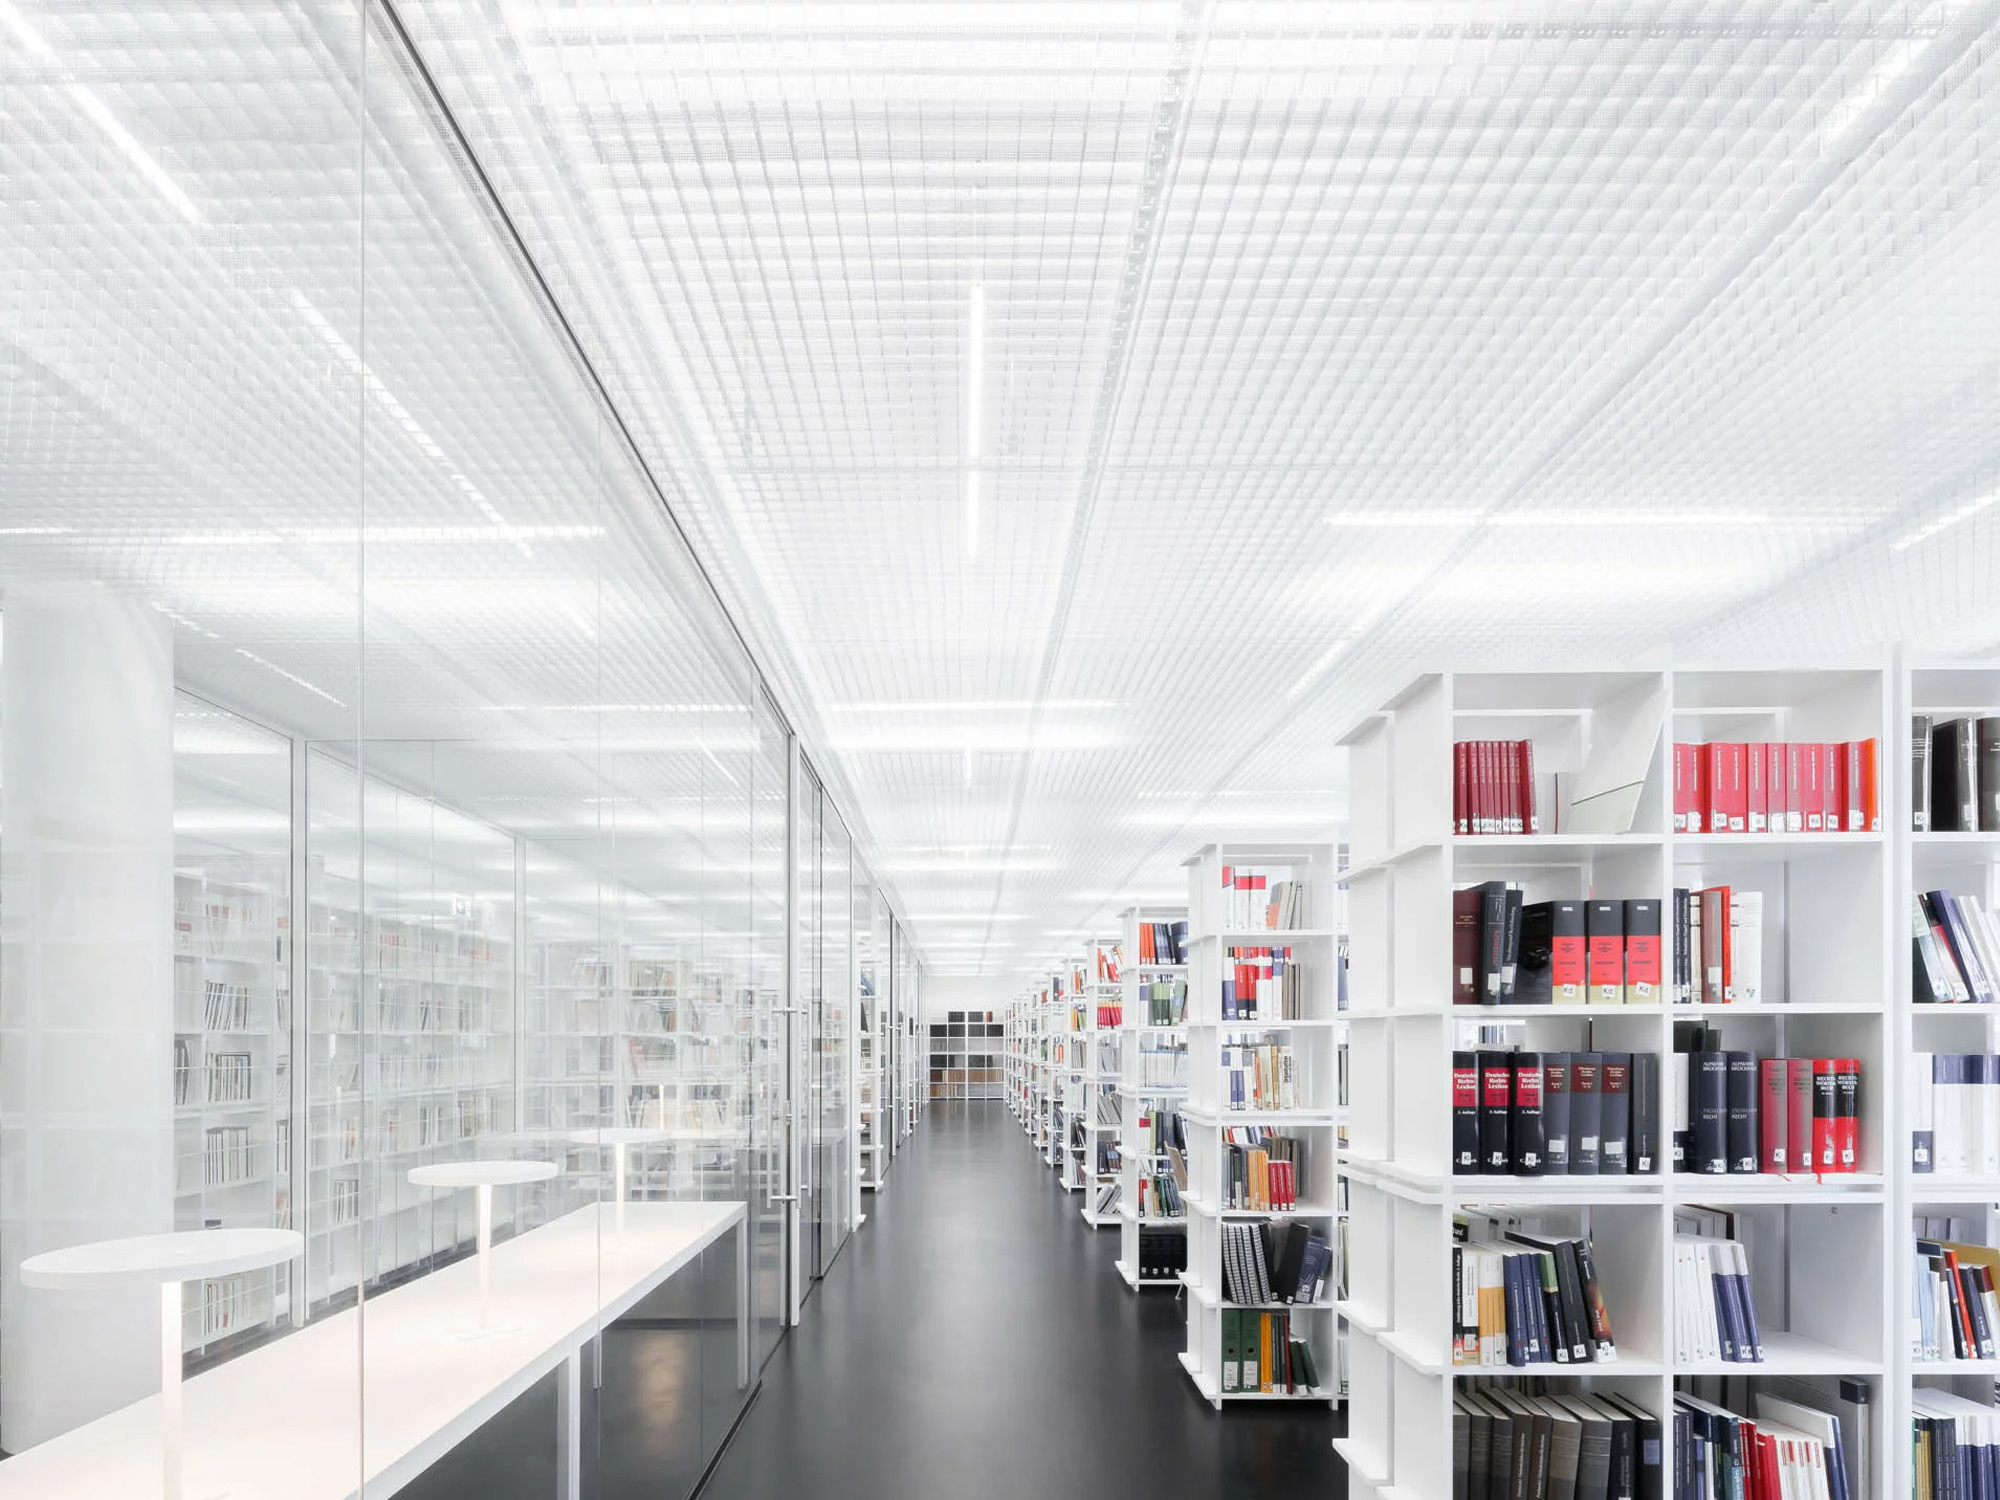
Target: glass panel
(769,1075)
(836,1135)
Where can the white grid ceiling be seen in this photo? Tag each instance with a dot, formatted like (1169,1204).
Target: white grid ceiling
(1324,342)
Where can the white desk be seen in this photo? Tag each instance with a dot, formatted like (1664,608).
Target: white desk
(485,1176)
(284,1422)
(621,1139)
(165,1261)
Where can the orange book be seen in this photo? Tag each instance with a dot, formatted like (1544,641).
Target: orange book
(1868,803)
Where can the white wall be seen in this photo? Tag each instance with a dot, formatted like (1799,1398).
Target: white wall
(942,994)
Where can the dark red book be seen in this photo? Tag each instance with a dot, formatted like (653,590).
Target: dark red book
(1531,817)
(1715,788)
(1461,820)
(1773,1081)
(1737,793)
(1813,794)
(1796,788)
(1758,816)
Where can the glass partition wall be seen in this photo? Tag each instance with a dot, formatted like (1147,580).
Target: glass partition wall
(407,887)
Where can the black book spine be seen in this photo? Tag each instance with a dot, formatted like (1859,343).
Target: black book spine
(1944,777)
(1555,1114)
(1512,954)
(1614,1085)
(1711,1113)
(1740,1102)
(1987,733)
(1465,1112)
(1644,1149)
(1920,773)
(1585,1113)
(1528,1130)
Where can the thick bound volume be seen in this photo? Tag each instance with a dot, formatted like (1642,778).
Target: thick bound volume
(1585,1113)
(1920,773)
(1465,909)
(1527,1128)
(1711,1113)
(1555,1114)
(1987,733)
(1644,1149)
(1465,1112)
(1740,1098)
(1533,965)
(1604,923)
(1614,1084)
(1955,776)
(1772,1085)
(1846,1114)
(1496,1101)
(1491,972)
(1642,952)
(1568,966)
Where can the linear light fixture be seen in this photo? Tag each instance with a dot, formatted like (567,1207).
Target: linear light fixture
(975,409)
(1946,521)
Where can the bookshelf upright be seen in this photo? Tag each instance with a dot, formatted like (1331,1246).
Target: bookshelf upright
(1103,995)
(1603,765)
(1259,1068)
(1152,1084)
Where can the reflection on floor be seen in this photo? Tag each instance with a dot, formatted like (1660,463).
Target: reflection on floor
(973,1340)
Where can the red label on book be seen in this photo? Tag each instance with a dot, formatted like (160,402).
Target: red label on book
(1465,1088)
(1642,960)
(1497,1088)
(1566,963)
(1528,1087)
(1607,960)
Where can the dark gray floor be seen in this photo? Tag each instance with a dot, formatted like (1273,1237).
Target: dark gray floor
(974,1341)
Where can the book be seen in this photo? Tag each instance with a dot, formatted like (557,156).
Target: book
(1585,1113)
(1614,1114)
(1643,974)
(1920,772)
(1604,924)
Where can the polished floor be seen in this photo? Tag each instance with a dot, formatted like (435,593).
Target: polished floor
(973,1340)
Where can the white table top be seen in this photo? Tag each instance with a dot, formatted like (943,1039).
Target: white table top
(621,1135)
(503,1173)
(152,1259)
(283,1422)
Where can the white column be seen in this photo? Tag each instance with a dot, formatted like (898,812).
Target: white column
(86,990)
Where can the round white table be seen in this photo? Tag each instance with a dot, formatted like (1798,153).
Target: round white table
(485,1176)
(165,1261)
(621,1139)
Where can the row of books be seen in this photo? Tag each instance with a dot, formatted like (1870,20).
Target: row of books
(1260,1354)
(1164,942)
(1261,984)
(1954,1312)
(1160,1198)
(1955,1447)
(1536,1114)
(1493,787)
(225,1155)
(229,1078)
(1266,1261)
(1110,1015)
(225,1005)
(1254,901)
(1954,774)
(1523,1299)
(1957,951)
(1715,1309)
(1106,1202)
(1509,952)
(1162,1253)
(1539,1440)
(1954,1112)
(1793,1449)
(1166,1002)
(1261,1170)
(1109,1108)
(1737,1113)
(1161,1131)
(1718,946)
(1161,1063)
(225,1306)
(1777,787)
(1260,1076)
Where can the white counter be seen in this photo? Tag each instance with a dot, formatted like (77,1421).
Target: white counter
(282,1422)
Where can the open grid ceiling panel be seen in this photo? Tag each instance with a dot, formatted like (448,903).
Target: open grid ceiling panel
(1321,340)
(1312,343)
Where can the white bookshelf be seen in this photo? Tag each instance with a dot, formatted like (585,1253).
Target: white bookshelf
(871,1082)
(1215,931)
(1103,996)
(1831,957)
(1967,864)
(1069,1058)
(1144,1048)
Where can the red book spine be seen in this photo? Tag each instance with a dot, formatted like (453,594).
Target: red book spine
(1759,814)
(1738,807)
(1607,963)
(1799,1114)
(1568,966)
(1715,787)
(1775,804)
(1826,1092)
(1870,800)
(1461,821)
(1856,820)
(1698,790)
(1517,809)
(1642,960)
(1479,820)
(1774,1079)
(1836,786)
(1813,797)
(1531,815)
